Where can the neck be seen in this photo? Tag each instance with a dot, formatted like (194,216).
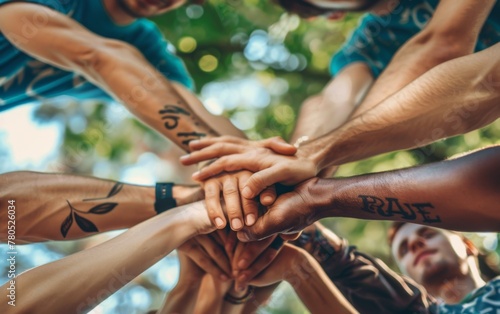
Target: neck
(453,290)
(118,12)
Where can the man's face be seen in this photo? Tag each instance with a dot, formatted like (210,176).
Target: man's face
(429,255)
(147,8)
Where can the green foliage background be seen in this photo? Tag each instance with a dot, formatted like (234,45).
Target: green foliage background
(212,40)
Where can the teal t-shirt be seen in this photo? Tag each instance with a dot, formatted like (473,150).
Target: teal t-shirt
(377,38)
(24,79)
(483,300)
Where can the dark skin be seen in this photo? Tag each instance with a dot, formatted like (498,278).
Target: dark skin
(456,194)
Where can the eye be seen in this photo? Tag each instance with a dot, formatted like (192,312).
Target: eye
(403,249)
(428,234)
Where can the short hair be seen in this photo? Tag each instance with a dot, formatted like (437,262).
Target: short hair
(393,229)
(396,225)
(302,8)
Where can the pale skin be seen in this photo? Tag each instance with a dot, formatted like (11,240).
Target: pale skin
(455,194)
(121,70)
(440,260)
(152,240)
(392,116)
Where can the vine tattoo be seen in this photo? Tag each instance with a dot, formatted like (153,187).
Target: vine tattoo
(100,209)
(172,114)
(390,207)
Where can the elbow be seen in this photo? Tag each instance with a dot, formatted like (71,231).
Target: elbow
(101,58)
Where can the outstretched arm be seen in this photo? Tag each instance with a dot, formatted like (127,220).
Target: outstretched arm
(115,66)
(458,194)
(62,206)
(452,32)
(309,281)
(83,279)
(453,98)
(366,282)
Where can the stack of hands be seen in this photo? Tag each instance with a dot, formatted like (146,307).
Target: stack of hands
(250,175)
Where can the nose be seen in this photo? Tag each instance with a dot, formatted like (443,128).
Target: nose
(416,243)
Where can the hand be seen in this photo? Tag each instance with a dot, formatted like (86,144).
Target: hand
(269,167)
(186,194)
(231,184)
(208,254)
(232,144)
(280,269)
(290,213)
(252,258)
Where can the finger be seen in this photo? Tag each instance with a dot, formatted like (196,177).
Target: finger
(263,261)
(272,222)
(212,201)
(231,242)
(216,252)
(247,253)
(268,196)
(202,143)
(231,194)
(203,261)
(280,146)
(214,151)
(262,179)
(250,206)
(229,163)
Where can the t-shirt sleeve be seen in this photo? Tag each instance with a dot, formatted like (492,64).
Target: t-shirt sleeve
(160,53)
(63,6)
(360,47)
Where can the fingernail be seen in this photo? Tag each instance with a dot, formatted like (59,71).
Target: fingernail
(185,157)
(194,175)
(235,273)
(250,219)
(242,264)
(224,278)
(194,142)
(219,222)
(236,223)
(247,193)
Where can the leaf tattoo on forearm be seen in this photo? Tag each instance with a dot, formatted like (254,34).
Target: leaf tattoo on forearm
(100,209)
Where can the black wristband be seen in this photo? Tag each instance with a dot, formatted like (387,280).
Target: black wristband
(164,199)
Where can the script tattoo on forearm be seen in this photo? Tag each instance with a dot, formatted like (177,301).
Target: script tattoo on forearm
(390,207)
(100,209)
(172,114)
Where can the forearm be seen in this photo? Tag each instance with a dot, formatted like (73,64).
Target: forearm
(330,109)
(314,287)
(457,194)
(452,32)
(124,73)
(61,206)
(83,279)
(453,98)
(367,283)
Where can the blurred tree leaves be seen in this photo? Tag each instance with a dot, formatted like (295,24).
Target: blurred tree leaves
(230,47)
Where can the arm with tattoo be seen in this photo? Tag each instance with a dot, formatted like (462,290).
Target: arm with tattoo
(460,194)
(61,206)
